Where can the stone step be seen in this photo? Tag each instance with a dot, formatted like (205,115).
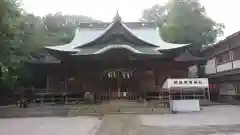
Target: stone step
(119,111)
(119,106)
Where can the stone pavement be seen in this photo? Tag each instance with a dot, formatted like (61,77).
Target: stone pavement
(199,130)
(215,120)
(119,125)
(50,126)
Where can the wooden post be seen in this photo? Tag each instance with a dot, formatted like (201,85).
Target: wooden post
(169,100)
(65,83)
(145,95)
(204,92)
(42,100)
(181,95)
(109,93)
(47,81)
(145,82)
(169,97)
(66,99)
(209,95)
(156,77)
(119,92)
(159,95)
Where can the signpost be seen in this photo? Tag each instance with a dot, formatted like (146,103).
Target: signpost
(186,84)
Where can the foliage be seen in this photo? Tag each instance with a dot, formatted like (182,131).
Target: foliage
(184,21)
(9,13)
(59,29)
(23,34)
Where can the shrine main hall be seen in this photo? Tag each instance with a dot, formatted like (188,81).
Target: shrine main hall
(116,60)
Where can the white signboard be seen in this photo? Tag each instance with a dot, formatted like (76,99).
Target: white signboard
(188,83)
(185,105)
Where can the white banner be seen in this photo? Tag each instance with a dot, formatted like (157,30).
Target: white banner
(188,82)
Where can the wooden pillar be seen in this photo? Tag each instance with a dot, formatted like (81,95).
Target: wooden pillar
(198,70)
(48,81)
(159,96)
(157,82)
(181,95)
(204,93)
(156,77)
(169,100)
(145,88)
(66,83)
(208,91)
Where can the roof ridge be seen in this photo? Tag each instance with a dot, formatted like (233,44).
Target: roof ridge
(128,24)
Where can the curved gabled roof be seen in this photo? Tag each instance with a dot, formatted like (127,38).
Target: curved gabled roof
(115,27)
(87,35)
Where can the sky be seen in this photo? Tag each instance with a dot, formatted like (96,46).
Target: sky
(222,11)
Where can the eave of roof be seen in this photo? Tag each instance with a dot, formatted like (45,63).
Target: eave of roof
(145,32)
(131,48)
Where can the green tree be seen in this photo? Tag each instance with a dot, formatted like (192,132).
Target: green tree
(9,27)
(184,21)
(60,28)
(11,54)
(21,36)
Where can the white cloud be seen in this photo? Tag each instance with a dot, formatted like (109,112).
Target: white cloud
(224,11)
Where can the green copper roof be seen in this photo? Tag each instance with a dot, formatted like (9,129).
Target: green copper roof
(92,37)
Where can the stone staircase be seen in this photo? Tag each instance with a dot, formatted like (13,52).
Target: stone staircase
(84,110)
(36,111)
(119,107)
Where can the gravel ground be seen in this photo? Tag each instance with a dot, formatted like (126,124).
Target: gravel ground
(214,120)
(119,125)
(49,126)
(214,115)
